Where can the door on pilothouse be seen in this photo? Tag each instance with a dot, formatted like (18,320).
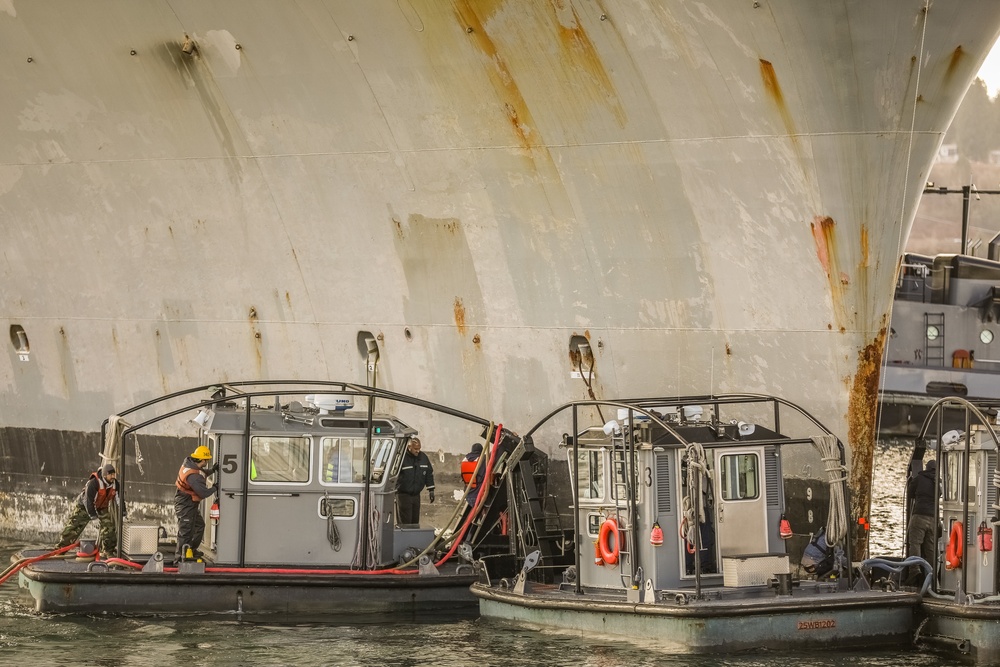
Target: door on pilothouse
(740,501)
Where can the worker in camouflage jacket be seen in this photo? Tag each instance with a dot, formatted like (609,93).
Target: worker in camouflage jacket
(96,501)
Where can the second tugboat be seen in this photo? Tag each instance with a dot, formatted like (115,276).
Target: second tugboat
(684,536)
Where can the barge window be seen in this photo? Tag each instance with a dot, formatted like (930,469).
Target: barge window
(279,459)
(738,477)
(344,459)
(590,474)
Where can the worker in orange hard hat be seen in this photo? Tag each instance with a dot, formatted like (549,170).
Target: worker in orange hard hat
(192,488)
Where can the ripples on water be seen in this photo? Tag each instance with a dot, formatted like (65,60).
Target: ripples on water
(42,641)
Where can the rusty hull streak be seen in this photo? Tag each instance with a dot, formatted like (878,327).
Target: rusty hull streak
(861,414)
(956,58)
(577,48)
(460,315)
(515,107)
(773,88)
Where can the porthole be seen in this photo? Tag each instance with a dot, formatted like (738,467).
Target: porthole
(932,332)
(986,336)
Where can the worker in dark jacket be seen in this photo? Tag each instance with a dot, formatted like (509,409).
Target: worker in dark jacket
(921,538)
(415,474)
(94,502)
(192,488)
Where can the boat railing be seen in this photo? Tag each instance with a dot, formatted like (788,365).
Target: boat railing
(648,408)
(246,391)
(974,415)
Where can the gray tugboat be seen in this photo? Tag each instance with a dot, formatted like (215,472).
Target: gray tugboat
(961,611)
(942,339)
(304,522)
(686,505)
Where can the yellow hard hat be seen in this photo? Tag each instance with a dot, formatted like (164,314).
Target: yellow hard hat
(201,453)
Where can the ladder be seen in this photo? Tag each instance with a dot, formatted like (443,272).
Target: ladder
(934,346)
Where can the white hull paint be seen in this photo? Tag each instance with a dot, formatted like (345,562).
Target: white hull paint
(714,193)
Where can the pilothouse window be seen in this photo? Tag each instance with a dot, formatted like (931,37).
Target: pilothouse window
(738,477)
(590,474)
(279,459)
(344,459)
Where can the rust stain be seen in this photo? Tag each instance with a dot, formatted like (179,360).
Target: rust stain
(729,350)
(578,49)
(822,231)
(288,299)
(257,342)
(956,58)
(864,245)
(861,414)
(773,88)
(476,341)
(253,314)
(460,315)
(515,107)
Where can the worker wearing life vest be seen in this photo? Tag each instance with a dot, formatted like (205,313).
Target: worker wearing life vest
(95,502)
(192,488)
(469,464)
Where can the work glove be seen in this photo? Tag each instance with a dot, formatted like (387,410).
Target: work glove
(214,469)
(432,495)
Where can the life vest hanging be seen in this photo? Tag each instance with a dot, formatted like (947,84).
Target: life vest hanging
(956,544)
(984,537)
(784,528)
(608,541)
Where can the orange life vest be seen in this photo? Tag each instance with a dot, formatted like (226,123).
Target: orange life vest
(105,492)
(468,470)
(182,481)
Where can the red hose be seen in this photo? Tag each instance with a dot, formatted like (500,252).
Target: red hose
(480,499)
(122,561)
(28,561)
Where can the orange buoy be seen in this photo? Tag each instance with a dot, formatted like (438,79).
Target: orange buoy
(608,541)
(956,544)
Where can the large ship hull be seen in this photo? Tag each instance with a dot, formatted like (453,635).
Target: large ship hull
(712,195)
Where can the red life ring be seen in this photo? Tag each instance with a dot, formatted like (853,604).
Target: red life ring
(956,543)
(609,547)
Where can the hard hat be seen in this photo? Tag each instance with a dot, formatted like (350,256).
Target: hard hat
(201,453)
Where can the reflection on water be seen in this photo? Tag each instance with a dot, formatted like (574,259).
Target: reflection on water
(888,533)
(42,641)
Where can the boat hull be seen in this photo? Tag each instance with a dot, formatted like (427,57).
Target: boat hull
(836,619)
(970,630)
(60,589)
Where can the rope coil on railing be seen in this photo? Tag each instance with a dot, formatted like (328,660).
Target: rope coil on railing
(836,473)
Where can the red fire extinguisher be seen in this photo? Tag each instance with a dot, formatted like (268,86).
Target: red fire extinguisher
(985,537)
(213,512)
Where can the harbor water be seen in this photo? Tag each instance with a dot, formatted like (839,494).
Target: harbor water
(109,640)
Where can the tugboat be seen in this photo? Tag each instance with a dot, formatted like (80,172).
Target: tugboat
(304,521)
(942,339)
(961,611)
(686,505)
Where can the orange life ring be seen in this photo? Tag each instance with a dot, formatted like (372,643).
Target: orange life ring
(956,543)
(609,552)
